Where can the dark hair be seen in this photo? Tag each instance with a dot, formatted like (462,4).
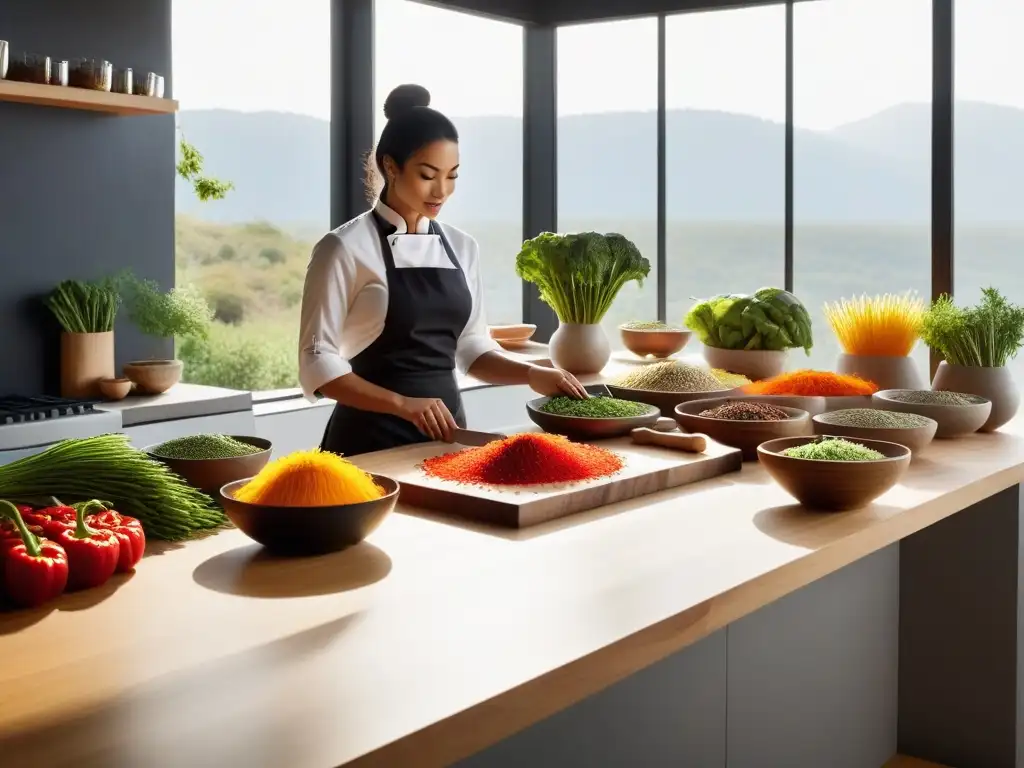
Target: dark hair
(411,125)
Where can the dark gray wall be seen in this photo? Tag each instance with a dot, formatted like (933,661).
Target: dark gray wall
(82,194)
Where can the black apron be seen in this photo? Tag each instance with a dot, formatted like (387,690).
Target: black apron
(428,309)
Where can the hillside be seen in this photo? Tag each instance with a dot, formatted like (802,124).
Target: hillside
(720,167)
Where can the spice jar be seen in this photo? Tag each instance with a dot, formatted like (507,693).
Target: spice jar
(5,51)
(59,73)
(30,68)
(123,80)
(93,75)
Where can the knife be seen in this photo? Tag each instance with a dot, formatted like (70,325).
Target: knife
(474,437)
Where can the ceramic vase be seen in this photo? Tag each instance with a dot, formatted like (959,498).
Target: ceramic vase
(154,377)
(755,364)
(85,359)
(886,371)
(580,348)
(996,384)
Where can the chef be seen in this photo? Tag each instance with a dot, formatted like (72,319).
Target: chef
(393,300)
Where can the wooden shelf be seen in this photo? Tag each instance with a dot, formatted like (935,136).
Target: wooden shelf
(81,98)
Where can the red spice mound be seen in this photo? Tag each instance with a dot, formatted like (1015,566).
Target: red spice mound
(812,383)
(528,459)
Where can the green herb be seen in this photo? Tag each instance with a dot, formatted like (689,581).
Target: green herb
(986,335)
(82,307)
(107,467)
(594,407)
(204,447)
(770,319)
(670,376)
(870,418)
(180,312)
(190,168)
(833,449)
(580,275)
(932,397)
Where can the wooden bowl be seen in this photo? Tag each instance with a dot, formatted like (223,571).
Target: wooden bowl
(209,475)
(309,530)
(154,377)
(813,405)
(115,389)
(915,438)
(654,342)
(512,336)
(592,428)
(666,401)
(834,486)
(737,433)
(953,420)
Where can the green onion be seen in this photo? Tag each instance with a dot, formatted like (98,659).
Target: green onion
(84,307)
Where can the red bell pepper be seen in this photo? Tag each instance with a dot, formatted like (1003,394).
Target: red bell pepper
(128,530)
(92,554)
(52,520)
(35,570)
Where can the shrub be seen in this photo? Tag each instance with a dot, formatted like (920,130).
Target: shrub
(246,357)
(226,253)
(272,256)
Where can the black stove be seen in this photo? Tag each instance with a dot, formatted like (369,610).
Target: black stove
(19,409)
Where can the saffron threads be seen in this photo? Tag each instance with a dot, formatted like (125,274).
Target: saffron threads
(310,479)
(812,384)
(530,458)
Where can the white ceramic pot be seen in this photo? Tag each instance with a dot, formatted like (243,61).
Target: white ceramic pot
(996,384)
(580,348)
(886,371)
(154,377)
(755,364)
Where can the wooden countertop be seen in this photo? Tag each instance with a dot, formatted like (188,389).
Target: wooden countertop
(432,640)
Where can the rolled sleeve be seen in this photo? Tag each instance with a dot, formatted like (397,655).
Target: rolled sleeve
(475,339)
(325,301)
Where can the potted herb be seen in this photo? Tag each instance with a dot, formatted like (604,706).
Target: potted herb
(178,313)
(86,313)
(976,343)
(751,335)
(579,276)
(877,335)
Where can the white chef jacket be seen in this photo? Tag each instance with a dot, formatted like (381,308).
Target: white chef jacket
(345,297)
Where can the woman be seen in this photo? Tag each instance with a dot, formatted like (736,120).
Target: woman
(393,301)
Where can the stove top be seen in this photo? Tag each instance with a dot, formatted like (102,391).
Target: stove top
(19,409)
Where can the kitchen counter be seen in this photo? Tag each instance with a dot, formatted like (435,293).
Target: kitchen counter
(434,642)
(182,401)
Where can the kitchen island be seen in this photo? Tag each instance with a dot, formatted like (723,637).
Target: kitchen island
(710,625)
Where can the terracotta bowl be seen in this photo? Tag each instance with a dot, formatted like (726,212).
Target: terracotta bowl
(834,486)
(208,475)
(658,343)
(736,433)
(115,389)
(309,530)
(154,377)
(915,438)
(952,420)
(512,336)
(755,364)
(578,426)
(666,401)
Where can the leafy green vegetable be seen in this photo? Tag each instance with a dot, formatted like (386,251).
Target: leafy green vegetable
(985,336)
(770,319)
(82,307)
(580,275)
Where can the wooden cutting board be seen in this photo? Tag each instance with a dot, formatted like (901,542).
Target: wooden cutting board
(647,469)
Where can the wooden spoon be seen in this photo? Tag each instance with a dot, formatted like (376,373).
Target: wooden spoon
(691,443)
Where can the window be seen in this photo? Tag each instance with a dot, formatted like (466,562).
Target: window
(473,68)
(989,161)
(265,129)
(725,154)
(862,184)
(607,145)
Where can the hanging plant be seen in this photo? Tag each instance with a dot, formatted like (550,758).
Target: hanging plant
(190,168)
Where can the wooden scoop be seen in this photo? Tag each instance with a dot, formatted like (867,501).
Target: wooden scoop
(680,441)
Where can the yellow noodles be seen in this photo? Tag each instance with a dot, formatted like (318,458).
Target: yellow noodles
(886,325)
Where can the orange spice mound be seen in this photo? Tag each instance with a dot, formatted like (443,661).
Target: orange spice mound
(310,479)
(812,383)
(530,458)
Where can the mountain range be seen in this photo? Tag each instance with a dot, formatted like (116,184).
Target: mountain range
(721,167)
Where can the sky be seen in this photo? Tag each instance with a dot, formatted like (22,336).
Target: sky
(852,58)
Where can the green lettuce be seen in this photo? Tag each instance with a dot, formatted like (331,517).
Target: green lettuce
(770,319)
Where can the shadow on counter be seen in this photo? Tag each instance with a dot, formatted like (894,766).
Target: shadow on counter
(801,527)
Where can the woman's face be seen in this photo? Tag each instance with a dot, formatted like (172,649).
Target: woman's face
(427,180)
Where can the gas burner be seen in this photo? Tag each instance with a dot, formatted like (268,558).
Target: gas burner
(19,409)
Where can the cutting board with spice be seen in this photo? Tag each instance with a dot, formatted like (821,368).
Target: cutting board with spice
(532,477)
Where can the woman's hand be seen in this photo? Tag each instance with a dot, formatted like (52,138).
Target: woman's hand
(554,381)
(430,416)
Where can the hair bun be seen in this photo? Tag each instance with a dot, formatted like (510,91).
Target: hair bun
(404,99)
